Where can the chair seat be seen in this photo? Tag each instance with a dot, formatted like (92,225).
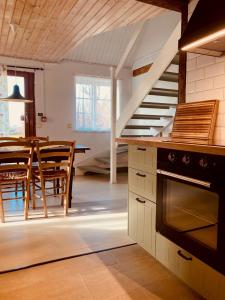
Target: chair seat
(51,174)
(13,177)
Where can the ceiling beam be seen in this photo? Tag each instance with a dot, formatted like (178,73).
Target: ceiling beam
(177,5)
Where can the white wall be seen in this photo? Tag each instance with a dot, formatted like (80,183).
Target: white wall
(156,33)
(205,81)
(55,97)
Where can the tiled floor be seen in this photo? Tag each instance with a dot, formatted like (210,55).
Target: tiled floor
(93,224)
(121,274)
(97,219)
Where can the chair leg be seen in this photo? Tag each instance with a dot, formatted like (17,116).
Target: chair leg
(33,194)
(66,198)
(16,189)
(44,197)
(63,191)
(27,199)
(2,216)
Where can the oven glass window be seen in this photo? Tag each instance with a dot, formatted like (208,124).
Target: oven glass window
(191,210)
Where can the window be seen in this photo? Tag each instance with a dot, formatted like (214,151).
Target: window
(93,97)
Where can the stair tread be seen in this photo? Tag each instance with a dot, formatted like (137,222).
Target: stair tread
(164,92)
(136,135)
(149,117)
(169,76)
(142,126)
(157,105)
(95,169)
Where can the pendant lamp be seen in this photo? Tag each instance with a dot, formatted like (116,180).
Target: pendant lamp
(16,95)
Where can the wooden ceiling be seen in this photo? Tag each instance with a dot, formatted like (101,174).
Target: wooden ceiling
(46,30)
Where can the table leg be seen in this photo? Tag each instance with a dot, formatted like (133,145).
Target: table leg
(71,185)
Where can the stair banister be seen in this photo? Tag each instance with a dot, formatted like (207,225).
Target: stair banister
(164,58)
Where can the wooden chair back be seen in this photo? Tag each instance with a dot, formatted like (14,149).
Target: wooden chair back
(36,138)
(16,156)
(55,154)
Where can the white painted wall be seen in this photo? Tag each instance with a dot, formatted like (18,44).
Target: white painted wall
(205,81)
(55,97)
(156,32)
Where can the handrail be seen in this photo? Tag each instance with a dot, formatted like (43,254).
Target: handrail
(164,58)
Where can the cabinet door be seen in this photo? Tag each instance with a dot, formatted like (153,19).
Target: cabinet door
(142,158)
(142,215)
(142,183)
(149,227)
(132,216)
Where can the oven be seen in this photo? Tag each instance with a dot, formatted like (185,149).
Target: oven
(191,203)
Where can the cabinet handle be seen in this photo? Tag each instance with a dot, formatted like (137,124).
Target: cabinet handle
(141,175)
(141,149)
(179,252)
(139,200)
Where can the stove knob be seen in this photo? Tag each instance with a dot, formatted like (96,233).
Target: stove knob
(172,157)
(203,162)
(186,159)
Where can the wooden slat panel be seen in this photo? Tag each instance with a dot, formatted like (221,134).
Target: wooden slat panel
(195,122)
(48,29)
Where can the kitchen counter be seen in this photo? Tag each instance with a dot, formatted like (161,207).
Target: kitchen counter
(168,143)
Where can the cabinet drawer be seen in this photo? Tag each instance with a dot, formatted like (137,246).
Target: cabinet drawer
(142,183)
(142,158)
(203,279)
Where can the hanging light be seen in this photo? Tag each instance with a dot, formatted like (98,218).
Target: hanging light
(16,96)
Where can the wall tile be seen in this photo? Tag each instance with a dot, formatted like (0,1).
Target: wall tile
(219,81)
(203,61)
(215,70)
(204,85)
(191,64)
(195,75)
(190,87)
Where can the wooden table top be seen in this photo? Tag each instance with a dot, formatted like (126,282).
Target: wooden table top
(79,148)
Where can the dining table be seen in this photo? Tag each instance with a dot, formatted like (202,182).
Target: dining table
(79,148)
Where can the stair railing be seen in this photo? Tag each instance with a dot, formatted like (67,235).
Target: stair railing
(162,61)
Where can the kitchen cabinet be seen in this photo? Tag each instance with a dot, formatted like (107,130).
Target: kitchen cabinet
(142,214)
(142,196)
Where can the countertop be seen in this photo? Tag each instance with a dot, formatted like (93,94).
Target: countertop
(168,143)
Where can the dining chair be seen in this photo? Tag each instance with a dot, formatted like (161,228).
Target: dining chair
(15,168)
(55,162)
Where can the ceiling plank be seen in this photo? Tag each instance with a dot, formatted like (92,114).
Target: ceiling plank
(176,5)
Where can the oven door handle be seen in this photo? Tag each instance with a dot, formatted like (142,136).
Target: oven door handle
(185,178)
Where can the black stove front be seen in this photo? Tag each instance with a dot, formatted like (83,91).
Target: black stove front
(191,203)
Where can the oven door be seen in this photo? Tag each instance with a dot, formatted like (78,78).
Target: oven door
(187,211)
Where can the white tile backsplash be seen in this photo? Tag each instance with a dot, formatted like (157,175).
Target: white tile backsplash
(205,81)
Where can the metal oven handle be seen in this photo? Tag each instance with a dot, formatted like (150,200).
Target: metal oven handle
(185,178)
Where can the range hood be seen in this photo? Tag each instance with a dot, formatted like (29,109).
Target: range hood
(205,31)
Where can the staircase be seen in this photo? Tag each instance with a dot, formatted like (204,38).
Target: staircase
(102,163)
(151,108)
(156,111)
